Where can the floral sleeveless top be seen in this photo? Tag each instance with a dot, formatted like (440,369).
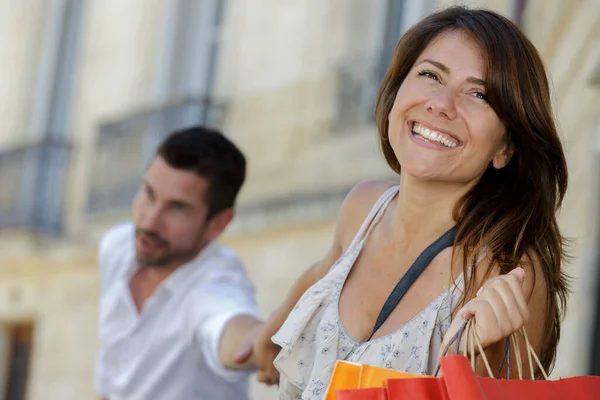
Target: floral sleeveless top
(313,337)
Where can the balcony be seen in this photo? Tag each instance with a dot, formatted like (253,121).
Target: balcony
(125,146)
(32,186)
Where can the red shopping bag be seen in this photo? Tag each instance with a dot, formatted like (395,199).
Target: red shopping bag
(362,394)
(416,389)
(459,382)
(457,378)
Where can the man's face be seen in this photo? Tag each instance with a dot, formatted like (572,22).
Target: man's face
(170,216)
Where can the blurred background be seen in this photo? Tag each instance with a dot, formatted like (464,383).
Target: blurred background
(88,88)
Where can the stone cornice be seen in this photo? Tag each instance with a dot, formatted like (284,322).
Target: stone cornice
(293,209)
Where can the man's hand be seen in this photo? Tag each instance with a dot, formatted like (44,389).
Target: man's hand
(260,351)
(240,330)
(245,354)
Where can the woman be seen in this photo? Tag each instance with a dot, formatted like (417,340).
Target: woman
(464,117)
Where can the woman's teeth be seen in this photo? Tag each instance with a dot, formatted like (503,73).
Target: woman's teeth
(433,136)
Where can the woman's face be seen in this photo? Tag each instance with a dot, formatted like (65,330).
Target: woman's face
(441,127)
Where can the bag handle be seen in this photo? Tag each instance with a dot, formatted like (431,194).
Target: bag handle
(472,340)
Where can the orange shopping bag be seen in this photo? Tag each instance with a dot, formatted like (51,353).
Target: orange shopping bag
(347,375)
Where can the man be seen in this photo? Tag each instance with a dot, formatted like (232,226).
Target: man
(175,305)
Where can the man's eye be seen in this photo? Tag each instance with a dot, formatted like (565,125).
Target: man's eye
(179,207)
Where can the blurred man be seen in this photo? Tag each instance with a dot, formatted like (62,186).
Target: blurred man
(175,305)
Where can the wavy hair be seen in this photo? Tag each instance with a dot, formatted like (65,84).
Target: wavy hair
(510,212)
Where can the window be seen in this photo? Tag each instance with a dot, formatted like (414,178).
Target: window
(189,49)
(183,91)
(19,355)
(41,166)
(360,75)
(125,146)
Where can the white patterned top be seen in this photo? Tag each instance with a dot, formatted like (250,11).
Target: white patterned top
(313,337)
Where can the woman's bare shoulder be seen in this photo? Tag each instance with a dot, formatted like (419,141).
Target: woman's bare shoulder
(356,206)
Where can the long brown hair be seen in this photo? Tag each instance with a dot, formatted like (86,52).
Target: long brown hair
(510,212)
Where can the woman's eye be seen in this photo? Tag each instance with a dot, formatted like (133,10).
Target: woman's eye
(429,74)
(480,95)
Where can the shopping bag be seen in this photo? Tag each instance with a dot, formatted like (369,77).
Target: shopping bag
(362,394)
(459,382)
(376,377)
(416,389)
(348,375)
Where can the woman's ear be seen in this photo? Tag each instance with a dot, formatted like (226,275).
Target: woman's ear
(504,153)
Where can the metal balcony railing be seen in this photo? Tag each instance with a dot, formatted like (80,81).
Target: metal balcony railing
(32,186)
(124,148)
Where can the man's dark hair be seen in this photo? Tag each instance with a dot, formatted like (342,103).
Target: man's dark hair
(208,153)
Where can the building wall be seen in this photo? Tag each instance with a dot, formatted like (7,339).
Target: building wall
(567,35)
(117,74)
(55,281)
(19,59)
(58,295)
(279,71)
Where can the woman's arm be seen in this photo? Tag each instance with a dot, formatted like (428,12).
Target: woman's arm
(352,213)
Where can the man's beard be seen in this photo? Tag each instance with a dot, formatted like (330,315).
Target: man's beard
(168,258)
(163,262)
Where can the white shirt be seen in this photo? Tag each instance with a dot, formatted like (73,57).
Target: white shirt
(169,350)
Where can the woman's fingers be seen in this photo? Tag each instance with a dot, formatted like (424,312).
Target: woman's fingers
(501,304)
(514,303)
(515,280)
(499,309)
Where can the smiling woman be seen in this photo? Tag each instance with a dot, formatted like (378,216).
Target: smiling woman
(441,104)
(464,117)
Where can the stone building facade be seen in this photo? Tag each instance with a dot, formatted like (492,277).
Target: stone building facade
(88,88)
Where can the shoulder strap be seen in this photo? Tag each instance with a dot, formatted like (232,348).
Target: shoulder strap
(374,215)
(415,270)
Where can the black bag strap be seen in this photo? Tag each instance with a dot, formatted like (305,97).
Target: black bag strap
(415,270)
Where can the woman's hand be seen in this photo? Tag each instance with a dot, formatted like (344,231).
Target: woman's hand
(267,351)
(500,309)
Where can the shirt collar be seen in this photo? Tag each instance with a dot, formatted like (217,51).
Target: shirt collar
(182,274)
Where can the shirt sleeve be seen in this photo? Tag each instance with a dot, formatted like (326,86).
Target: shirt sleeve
(230,295)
